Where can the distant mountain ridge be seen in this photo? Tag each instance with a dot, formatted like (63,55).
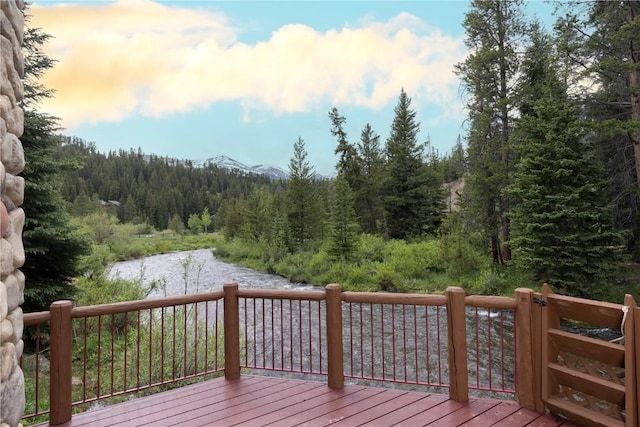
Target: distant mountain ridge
(231,164)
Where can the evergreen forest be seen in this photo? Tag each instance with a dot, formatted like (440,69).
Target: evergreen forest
(542,187)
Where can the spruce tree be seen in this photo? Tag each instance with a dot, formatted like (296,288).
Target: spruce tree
(562,224)
(372,213)
(349,163)
(52,244)
(413,196)
(344,229)
(304,206)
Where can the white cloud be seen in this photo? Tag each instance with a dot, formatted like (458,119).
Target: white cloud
(139,56)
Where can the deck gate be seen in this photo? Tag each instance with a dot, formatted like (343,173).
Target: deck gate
(588,380)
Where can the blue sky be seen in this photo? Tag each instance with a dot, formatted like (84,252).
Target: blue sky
(198,79)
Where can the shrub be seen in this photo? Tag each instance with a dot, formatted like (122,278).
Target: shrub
(370,248)
(388,279)
(413,260)
(361,279)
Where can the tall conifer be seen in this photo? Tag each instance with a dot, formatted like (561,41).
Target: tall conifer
(413,194)
(52,245)
(304,207)
(562,223)
(495,34)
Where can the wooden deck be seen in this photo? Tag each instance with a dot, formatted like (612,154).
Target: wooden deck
(258,401)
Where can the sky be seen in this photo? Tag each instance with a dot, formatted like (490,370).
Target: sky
(246,79)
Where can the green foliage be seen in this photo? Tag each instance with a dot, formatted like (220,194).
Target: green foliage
(305,211)
(52,244)
(100,290)
(454,164)
(176,225)
(205,219)
(164,345)
(371,248)
(395,265)
(459,249)
(596,40)
(149,188)
(413,196)
(495,31)
(100,226)
(413,260)
(562,224)
(343,221)
(499,280)
(388,278)
(238,250)
(369,206)
(349,163)
(194,223)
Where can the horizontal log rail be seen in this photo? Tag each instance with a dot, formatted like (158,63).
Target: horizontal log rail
(158,341)
(453,332)
(38,318)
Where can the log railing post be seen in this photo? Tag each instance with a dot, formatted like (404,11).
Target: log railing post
(630,365)
(636,322)
(60,370)
(536,331)
(334,336)
(457,336)
(231,332)
(525,383)
(549,352)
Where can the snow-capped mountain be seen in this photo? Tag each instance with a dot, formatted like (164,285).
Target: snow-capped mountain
(231,164)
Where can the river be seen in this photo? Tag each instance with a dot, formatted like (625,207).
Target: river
(195,271)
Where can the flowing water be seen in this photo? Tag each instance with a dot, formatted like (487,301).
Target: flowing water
(179,273)
(418,335)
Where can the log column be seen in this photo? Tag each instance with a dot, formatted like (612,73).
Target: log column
(457,336)
(334,337)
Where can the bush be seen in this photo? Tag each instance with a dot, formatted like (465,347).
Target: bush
(370,248)
(413,260)
(387,278)
(101,290)
(462,252)
(361,279)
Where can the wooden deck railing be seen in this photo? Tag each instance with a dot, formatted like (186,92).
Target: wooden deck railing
(451,342)
(589,380)
(109,351)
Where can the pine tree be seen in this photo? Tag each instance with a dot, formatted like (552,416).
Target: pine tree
(599,41)
(344,228)
(413,195)
(349,163)
(259,214)
(495,33)
(176,224)
(371,215)
(562,224)
(454,164)
(52,244)
(304,206)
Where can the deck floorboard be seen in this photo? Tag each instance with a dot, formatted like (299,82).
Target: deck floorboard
(259,401)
